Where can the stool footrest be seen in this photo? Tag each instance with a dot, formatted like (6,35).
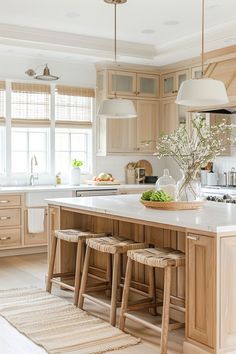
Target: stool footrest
(64,285)
(63,275)
(143,322)
(96,300)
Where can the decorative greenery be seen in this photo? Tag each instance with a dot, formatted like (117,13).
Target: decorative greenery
(193,150)
(77,163)
(156,196)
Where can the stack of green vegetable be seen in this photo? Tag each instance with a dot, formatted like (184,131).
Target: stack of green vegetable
(156,196)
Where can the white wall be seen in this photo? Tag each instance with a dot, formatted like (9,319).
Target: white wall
(72,73)
(116,165)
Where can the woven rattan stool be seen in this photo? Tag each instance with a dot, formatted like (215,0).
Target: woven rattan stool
(114,246)
(167,259)
(75,236)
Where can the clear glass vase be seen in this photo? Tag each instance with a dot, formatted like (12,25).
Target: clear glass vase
(189,186)
(167,184)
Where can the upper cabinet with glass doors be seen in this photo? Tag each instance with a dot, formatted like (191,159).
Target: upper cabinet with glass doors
(170,83)
(133,84)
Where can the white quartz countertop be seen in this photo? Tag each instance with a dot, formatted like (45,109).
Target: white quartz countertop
(213,217)
(81,187)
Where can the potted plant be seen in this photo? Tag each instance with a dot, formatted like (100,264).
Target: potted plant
(76,172)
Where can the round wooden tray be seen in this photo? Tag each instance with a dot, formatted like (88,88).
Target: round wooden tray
(173,205)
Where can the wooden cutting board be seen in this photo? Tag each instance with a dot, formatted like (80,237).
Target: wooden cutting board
(147,165)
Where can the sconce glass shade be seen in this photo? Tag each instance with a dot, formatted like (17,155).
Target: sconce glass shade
(117,108)
(202,92)
(46,76)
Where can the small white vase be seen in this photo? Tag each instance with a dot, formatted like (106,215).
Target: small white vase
(75,176)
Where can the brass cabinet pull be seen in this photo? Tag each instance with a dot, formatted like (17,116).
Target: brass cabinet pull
(4,201)
(5,217)
(195,238)
(5,238)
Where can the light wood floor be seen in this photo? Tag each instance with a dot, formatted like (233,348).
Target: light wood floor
(30,270)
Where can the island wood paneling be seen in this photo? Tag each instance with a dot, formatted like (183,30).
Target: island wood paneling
(201,305)
(228,296)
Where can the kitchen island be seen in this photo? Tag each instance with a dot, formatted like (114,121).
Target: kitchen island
(207,285)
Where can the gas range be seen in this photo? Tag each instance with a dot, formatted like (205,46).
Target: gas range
(226,198)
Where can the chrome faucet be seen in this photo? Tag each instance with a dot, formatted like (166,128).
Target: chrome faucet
(33,176)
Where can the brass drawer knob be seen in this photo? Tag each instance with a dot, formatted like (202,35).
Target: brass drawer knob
(5,238)
(5,217)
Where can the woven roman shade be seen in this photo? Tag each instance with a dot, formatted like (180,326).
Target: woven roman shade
(74,104)
(30,101)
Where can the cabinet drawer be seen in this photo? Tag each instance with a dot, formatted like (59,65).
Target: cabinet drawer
(10,217)
(10,238)
(33,239)
(9,200)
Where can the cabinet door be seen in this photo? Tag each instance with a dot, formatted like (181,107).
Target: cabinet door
(33,239)
(121,135)
(148,86)
(181,76)
(121,82)
(227,289)
(168,83)
(168,117)
(147,125)
(201,289)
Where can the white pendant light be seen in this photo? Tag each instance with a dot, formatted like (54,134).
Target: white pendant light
(116,108)
(203,91)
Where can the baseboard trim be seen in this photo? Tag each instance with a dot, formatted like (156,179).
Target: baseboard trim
(191,348)
(23,251)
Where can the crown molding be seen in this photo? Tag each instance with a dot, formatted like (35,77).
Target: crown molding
(29,37)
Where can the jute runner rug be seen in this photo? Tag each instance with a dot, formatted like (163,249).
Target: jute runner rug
(57,326)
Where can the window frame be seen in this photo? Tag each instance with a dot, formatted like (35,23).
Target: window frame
(10,123)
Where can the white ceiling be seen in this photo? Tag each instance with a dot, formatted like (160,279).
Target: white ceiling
(83,29)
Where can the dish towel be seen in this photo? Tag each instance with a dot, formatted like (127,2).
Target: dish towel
(36,220)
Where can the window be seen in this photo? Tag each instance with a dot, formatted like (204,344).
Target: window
(2,100)
(74,103)
(2,155)
(27,142)
(71,144)
(30,101)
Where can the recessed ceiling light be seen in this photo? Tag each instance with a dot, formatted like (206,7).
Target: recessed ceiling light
(148,31)
(171,23)
(72,15)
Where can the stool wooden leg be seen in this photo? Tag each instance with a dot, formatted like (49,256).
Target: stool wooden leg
(109,275)
(51,264)
(166,310)
(119,291)
(78,271)
(125,297)
(152,289)
(115,277)
(84,277)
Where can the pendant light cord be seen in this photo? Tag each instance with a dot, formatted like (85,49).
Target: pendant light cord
(115,48)
(203,36)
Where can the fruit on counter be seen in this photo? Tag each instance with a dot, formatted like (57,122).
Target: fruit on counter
(156,196)
(103,177)
(147,195)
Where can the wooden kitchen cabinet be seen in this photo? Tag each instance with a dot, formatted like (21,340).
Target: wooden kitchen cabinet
(201,296)
(147,125)
(10,221)
(128,135)
(136,85)
(170,83)
(33,239)
(172,116)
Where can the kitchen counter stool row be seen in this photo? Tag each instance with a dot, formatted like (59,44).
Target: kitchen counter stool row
(117,248)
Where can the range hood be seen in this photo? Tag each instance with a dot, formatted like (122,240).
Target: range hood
(229,108)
